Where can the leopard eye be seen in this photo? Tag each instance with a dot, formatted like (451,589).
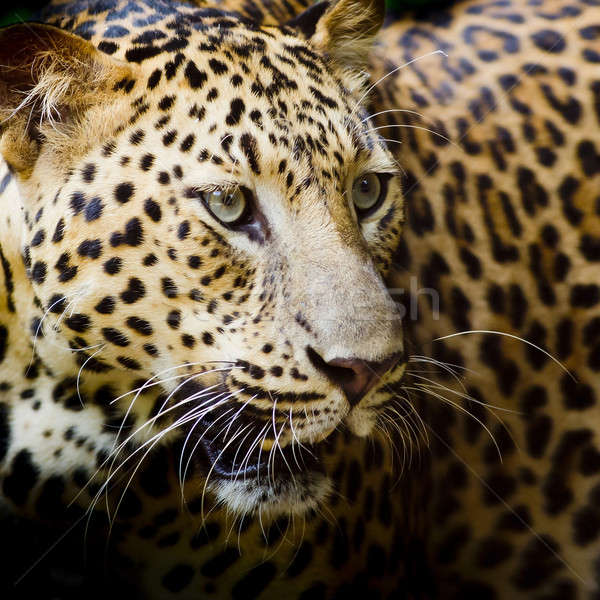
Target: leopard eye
(367,193)
(226,205)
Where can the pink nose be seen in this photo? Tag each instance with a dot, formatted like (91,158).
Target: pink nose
(355,376)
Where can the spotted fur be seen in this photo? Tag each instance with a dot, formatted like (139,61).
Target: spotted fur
(126,304)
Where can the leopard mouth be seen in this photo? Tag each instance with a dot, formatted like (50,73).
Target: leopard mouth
(230,444)
(250,460)
(248,478)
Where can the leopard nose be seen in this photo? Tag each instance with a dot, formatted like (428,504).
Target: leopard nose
(355,376)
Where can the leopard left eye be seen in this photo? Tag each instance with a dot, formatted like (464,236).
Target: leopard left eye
(230,207)
(368,192)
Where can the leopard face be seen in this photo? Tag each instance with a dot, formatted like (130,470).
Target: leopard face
(219,221)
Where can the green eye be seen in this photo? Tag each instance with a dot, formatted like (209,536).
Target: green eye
(227,206)
(367,193)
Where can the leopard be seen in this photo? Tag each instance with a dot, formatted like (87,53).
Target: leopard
(301,300)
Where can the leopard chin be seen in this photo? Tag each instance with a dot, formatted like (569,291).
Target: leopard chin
(291,495)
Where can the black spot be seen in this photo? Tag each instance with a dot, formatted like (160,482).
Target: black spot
(590,461)
(254,582)
(538,431)
(576,395)
(140,53)
(91,248)
(59,232)
(188,340)
(146,162)
(249,147)
(150,260)
(169,137)
(195,77)
(585,295)
(589,247)
(174,319)
(65,269)
(39,271)
(150,349)
(134,233)
(129,363)
(136,138)
(586,525)
(78,322)
(77,202)
(169,288)
(93,211)
(38,238)
(152,209)
(154,79)
(452,543)
(538,561)
(589,158)
(183,230)
(134,291)
(5,436)
(140,325)
(178,578)
(115,336)
(194,262)
(220,563)
(549,40)
(113,265)
(237,109)
(218,67)
(23,476)
(187,143)
(471,262)
(123,192)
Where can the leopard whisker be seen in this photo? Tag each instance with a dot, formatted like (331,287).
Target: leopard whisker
(420,127)
(181,473)
(213,467)
(227,425)
(102,346)
(395,110)
(464,396)
(148,385)
(295,439)
(461,409)
(395,70)
(190,416)
(248,454)
(124,443)
(160,413)
(512,336)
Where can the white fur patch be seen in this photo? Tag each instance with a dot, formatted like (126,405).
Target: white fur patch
(291,496)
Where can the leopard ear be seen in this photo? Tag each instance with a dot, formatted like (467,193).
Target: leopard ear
(48,79)
(344,30)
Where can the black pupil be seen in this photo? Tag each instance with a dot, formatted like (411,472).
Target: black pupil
(365,186)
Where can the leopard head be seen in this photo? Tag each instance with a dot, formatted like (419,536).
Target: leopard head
(213,212)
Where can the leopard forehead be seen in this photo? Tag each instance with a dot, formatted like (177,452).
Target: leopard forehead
(234,102)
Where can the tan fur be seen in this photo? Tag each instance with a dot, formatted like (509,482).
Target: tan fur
(46,88)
